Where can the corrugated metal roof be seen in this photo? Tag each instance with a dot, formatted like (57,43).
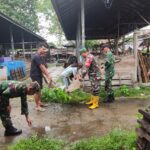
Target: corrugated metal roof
(102,22)
(6,22)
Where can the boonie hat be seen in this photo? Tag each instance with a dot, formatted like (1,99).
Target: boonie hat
(82,50)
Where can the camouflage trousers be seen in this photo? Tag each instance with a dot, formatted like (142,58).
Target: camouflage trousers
(4,113)
(108,86)
(95,87)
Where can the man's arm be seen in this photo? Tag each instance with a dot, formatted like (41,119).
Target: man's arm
(108,61)
(24,109)
(88,63)
(41,65)
(45,71)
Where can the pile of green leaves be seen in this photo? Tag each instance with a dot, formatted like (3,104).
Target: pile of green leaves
(58,95)
(116,140)
(35,143)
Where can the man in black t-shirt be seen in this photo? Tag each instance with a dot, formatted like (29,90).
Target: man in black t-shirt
(37,69)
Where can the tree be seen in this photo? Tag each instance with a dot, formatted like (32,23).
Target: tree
(46,7)
(90,44)
(22,11)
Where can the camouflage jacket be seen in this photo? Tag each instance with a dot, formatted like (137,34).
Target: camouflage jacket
(92,68)
(109,65)
(12,89)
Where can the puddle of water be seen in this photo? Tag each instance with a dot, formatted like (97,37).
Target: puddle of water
(74,122)
(39,131)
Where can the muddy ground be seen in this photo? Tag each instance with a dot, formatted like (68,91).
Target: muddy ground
(74,122)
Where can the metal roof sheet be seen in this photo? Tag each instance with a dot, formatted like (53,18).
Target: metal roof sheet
(102,22)
(6,22)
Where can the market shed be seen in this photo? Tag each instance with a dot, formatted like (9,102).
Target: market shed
(13,35)
(102,19)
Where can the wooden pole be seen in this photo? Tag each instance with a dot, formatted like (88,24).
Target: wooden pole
(31,49)
(12,42)
(82,23)
(135,48)
(78,37)
(23,45)
(123,44)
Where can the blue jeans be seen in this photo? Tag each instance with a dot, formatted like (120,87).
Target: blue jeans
(66,81)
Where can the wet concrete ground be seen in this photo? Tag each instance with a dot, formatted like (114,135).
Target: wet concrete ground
(73,122)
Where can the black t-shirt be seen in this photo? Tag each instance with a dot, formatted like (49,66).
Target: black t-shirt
(35,66)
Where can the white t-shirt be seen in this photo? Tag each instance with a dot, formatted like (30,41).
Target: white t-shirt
(68,71)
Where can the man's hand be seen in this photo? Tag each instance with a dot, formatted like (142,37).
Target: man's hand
(29,121)
(9,108)
(80,78)
(102,68)
(49,78)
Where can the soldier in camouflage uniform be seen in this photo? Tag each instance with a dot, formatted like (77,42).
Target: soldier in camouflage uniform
(11,89)
(93,72)
(109,73)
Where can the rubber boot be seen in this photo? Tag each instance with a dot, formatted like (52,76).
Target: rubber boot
(110,98)
(11,131)
(95,102)
(91,101)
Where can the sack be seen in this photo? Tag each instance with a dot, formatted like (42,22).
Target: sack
(75,84)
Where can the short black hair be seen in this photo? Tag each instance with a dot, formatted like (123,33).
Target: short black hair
(105,45)
(35,86)
(42,44)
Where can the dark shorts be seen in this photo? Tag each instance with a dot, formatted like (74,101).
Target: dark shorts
(38,79)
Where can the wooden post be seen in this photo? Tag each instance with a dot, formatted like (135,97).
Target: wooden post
(82,23)
(123,44)
(23,45)
(135,48)
(78,38)
(31,49)
(116,45)
(12,42)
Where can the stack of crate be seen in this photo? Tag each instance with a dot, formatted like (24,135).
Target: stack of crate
(143,142)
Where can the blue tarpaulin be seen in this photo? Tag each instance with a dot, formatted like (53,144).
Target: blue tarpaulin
(14,65)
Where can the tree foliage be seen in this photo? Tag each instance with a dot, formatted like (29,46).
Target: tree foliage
(22,11)
(90,44)
(46,7)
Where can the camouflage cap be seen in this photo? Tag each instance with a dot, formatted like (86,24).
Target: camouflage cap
(35,86)
(82,50)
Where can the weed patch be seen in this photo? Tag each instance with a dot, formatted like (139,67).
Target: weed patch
(132,92)
(116,140)
(35,143)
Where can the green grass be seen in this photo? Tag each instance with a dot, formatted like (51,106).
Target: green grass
(137,92)
(125,91)
(116,140)
(35,143)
